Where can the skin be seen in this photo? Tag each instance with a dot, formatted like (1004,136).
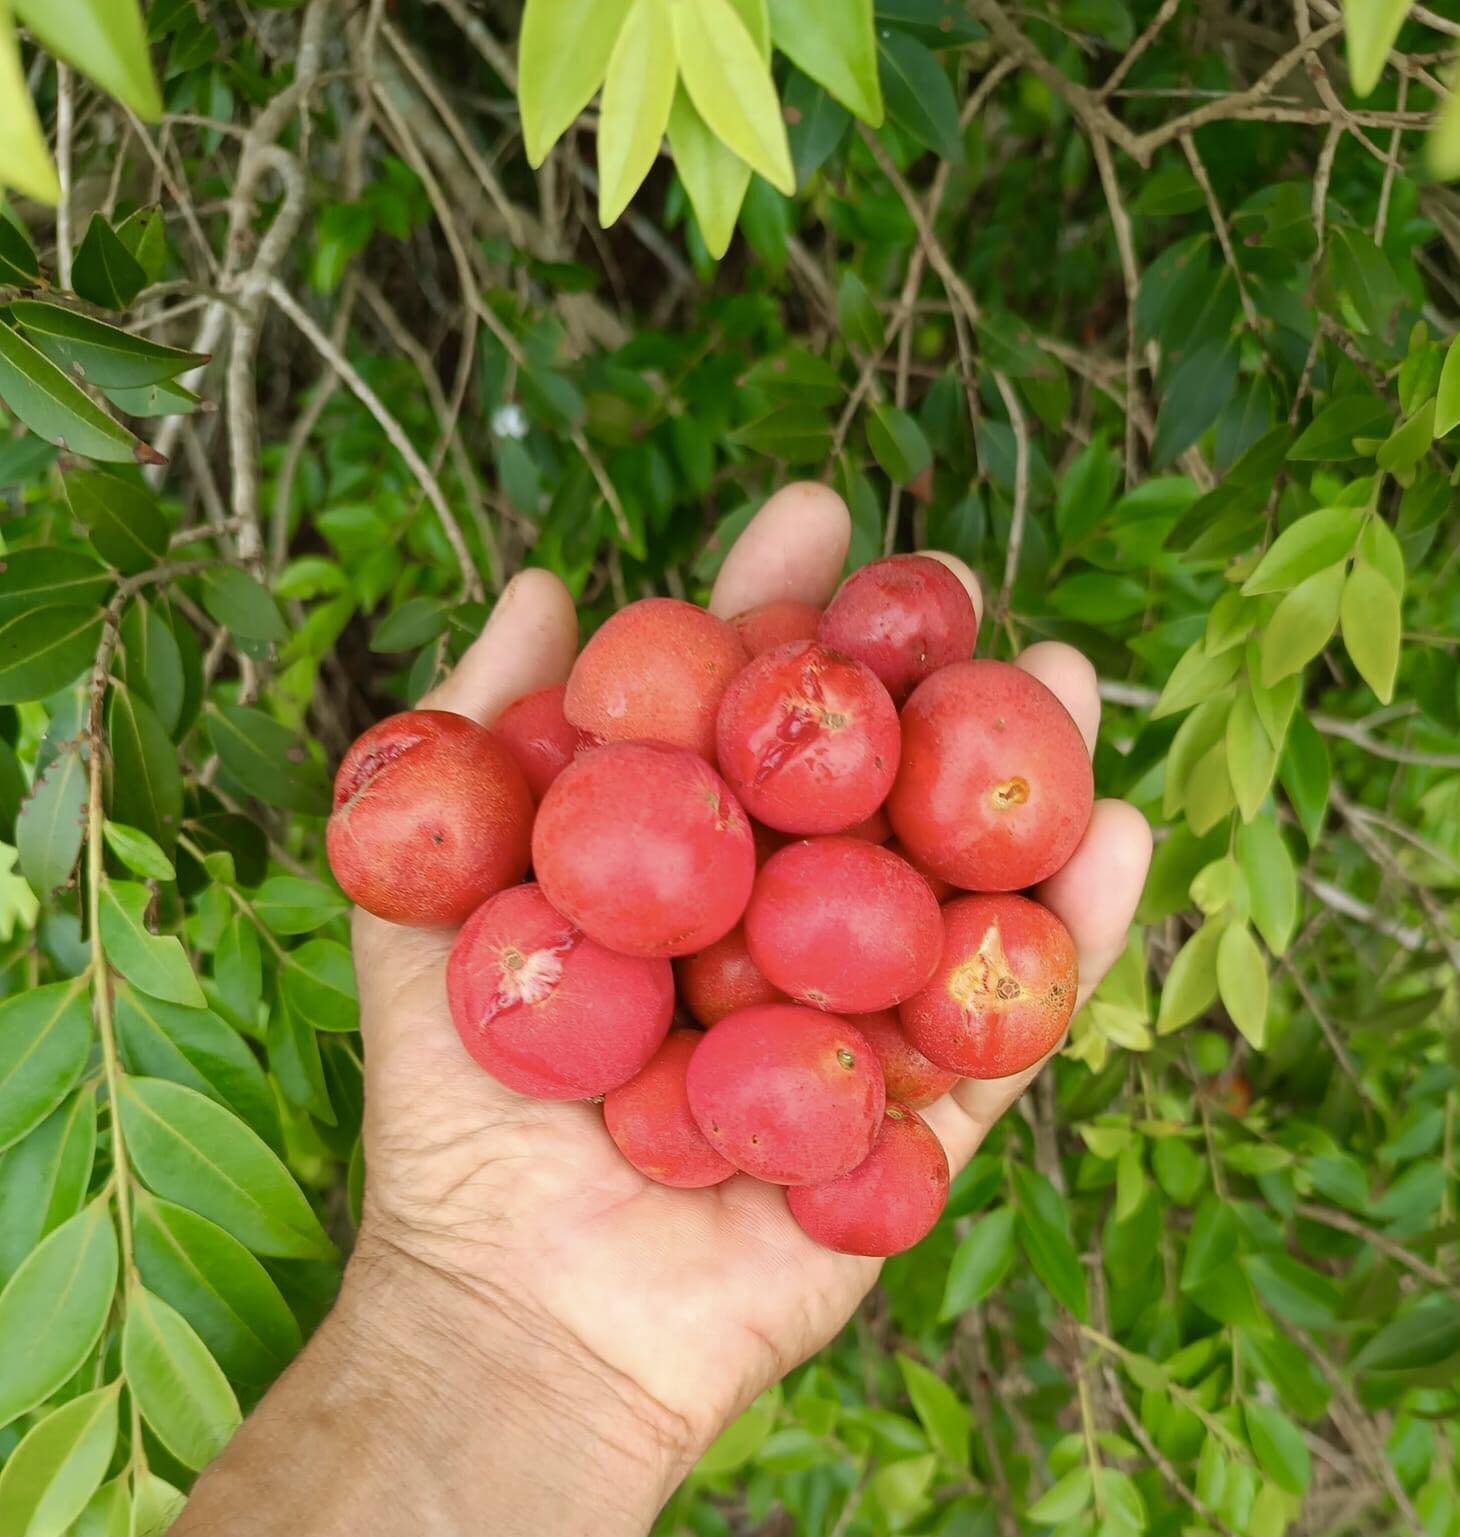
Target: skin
(500,1359)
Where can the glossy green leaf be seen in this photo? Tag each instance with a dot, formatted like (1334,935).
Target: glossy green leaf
(243,603)
(1369,612)
(1302,624)
(1191,984)
(834,44)
(265,758)
(138,852)
(155,964)
(47,577)
(43,1178)
(122,518)
(105,40)
(18,265)
(1242,982)
(1272,880)
(1332,432)
(898,444)
(634,113)
(1042,1221)
(816,124)
(291,905)
(145,785)
(1422,1336)
(715,178)
(940,1411)
(49,829)
(983,1258)
(50,1476)
(1310,545)
(43,649)
(107,1512)
(318,978)
(104,270)
(45,1037)
(97,353)
(25,161)
(156,1505)
(919,97)
(562,57)
(144,233)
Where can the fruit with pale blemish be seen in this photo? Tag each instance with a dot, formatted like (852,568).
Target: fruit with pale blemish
(1003,991)
(844,925)
(786,1094)
(994,790)
(808,739)
(776,623)
(889,1201)
(904,617)
(539,736)
(941,889)
(656,672)
(643,846)
(650,1122)
(431,816)
(910,1078)
(721,978)
(547,1011)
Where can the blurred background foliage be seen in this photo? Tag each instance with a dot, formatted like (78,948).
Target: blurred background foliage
(1144,310)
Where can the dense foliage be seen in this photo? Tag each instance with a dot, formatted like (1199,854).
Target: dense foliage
(1144,312)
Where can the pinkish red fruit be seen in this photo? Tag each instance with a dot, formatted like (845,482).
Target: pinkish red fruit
(995,790)
(873,829)
(808,739)
(649,1120)
(904,617)
(889,1201)
(655,671)
(545,1010)
(776,623)
(941,889)
(843,925)
(722,978)
(910,1078)
(539,736)
(1003,992)
(786,1094)
(431,816)
(645,849)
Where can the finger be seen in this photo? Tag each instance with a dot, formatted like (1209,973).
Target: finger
(794,547)
(1068,675)
(964,574)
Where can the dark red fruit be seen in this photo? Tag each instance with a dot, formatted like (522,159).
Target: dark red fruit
(649,1120)
(776,623)
(721,978)
(539,736)
(910,1078)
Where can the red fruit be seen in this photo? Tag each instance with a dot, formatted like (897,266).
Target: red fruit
(941,889)
(645,849)
(776,623)
(873,829)
(889,1201)
(544,1009)
(431,816)
(808,739)
(787,1094)
(539,736)
(767,841)
(910,1078)
(648,1118)
(995,788)
(721,978)
(655,671)
(1003,992)
(905,617)
(843,925)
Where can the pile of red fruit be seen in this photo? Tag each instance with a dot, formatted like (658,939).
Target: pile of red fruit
(805,828)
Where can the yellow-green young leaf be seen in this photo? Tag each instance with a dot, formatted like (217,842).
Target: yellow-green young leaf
(1191,984)
(1195,737)
(1311,544)
(637,95)
(1242,982)
(1442,147)
(1195,677)
(105,40)
(1409,442)
(1379,547)
(1302,624)
(715,178)
(1371,622)
(1272,881)
(1063,1501)
(835,43)
(25,162)
(1208,796)
(1251,757)
(139,853)
(562,57)
(1447,399)
(156,1505)
(57,1467)
(1370,27)
(731,87)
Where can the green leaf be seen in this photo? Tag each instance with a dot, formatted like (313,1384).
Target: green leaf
(242,602)
(105,271)
(138,852)
(857,315)
(44,649)
(1242,982)
(18,265)
(122,519)
(1195,677)
(1272,880)
(156,1506)
(178,1386)
(1086,490)
(43,578)
(898,443)
(144,233)
(50,826)
(166,399)
(562,57)
(1371,619)
(1379,546)
(731,87)
(980,1261)
(715,178)
(265,758)
(1281,1450)
(43,1178)
(795,433)
(834,43)
(1302,624)
(1191,984)
(1370,28)
(940,1411)
(919,97)
(290,905)
(816,124)
(318,979)
(156,964)
(145,784)
(1361,272)
(55,1470)
(109,1510)
(1408,443)
(45,1037)
(1310,545)
(796,374)
(1302,1295)
(105,40)
(1064,1500)
(743,1437)
(1447,398)
(54,1308)
(1042,1220)
(97,353)
(1331,433)
(1428,1333)
(1202,384)
(1305,773)
(1170,190)
(1251,757)
(23,154)
(190,1150)
(1442,145)
(637,95)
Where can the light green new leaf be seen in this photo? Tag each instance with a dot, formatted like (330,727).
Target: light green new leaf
(1272,881)
(835,43)
(48,830)
(1408,443)
(107,1512)
(1442,146)
(138,852)
(1196,677)
(743,1437)
(1302,624)
(715,178)
(97,353)
(1447,399)
(156,1505)
(1280,1447)
(1311,544)
(45,1035)
(1191,983)
(1242,981)
(1370,27)
(1370,613)
(1063,1500)
(25,162)
(562,57)
(156,964)
(105,40)
(56,1469)
(637,95)
(730,84)
(1251,756)
(1379,547)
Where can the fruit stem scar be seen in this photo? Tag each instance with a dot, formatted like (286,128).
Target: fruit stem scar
(846,1058)
(1012,792)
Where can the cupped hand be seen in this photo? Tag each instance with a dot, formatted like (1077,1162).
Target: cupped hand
(681,1305)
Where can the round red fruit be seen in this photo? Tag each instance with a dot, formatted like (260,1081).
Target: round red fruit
(941,889)
(904,617)
(873,829)
(843,925)
(431,816)
(910,1078)
(545,1010)
(995,790)
(539,736)
(655,671)
(649,1120)
(776,623)
(645,849)
(721,978)
(1003,992)
(787,1094)
(889,1201)
(808,739)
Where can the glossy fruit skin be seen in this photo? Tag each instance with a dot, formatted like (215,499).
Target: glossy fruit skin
(545,1010)
(910,1078)
(776,623)
(941,889)
(645,849)
(431,816)
(1003,992)
(655,671)
(786,1094)
(722,978)
(887,1203)
(995,788)
(844,925)
(904,617)
(873,829)
(649,1120)
(808,739)
(539,736)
